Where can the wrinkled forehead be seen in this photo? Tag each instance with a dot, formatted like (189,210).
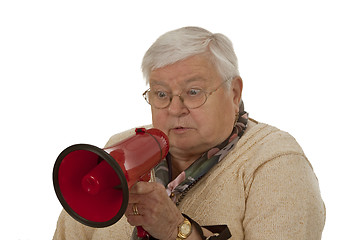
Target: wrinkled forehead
(194,70)
(185,83)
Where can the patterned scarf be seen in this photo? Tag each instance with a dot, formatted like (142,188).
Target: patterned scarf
(201,166)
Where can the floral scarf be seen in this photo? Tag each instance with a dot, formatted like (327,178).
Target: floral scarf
(185,180)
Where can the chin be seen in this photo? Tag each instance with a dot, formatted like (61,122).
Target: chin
(185,143)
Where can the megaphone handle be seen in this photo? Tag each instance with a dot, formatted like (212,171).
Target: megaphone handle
(141,232)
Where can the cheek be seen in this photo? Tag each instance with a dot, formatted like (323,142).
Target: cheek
(218,123)
(213,126)
(207,123)
(159,121)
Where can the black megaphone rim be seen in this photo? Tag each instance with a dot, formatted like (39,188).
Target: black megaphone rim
(111,161)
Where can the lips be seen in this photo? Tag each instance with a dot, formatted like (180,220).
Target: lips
(180,129)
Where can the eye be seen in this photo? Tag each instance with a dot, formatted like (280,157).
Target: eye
(194,92)
(161,94)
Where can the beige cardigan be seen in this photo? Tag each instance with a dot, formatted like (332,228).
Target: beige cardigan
(264,189)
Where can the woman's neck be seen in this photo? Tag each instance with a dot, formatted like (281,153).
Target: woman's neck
(180,164)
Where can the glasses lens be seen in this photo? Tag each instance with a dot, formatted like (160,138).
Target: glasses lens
(158,99)
(194,98)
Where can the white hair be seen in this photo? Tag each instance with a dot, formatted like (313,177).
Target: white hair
(186,42)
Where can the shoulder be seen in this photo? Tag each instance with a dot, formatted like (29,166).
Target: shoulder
(265,142)
(279,183)
(262,146)
(69,228)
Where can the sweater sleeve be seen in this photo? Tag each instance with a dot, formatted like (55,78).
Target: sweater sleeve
(69,229)
(284,201)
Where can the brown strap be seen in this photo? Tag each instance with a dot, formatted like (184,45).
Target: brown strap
(221,232)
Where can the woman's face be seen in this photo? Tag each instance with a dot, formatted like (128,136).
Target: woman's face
(193,131)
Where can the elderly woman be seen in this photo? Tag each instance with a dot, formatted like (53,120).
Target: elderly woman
(226,175)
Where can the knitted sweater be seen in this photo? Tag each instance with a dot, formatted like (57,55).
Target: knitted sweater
(264,189)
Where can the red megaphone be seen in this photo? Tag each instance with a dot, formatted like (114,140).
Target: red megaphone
(92,184)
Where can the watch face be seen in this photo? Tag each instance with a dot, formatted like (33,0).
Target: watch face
(185,229)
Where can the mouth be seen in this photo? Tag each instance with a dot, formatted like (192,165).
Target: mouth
(180,129)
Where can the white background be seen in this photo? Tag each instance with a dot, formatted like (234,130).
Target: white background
(70,73)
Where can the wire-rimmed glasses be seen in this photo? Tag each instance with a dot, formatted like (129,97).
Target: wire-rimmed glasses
(192,98)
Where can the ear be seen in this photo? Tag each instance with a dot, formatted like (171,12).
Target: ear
(236,88)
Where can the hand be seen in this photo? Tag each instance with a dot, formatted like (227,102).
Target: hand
(158,215)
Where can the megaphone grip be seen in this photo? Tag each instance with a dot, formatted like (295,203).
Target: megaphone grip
(141,232)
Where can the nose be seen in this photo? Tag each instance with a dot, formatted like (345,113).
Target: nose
(177,106)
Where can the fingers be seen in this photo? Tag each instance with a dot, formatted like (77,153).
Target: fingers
(150,207)
(142,196)
(143,192)
(135,209)
(133,214)
(145,187)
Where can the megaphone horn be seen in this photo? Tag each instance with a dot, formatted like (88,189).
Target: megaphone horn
(92,184)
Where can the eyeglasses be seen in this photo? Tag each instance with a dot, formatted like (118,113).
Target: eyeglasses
(192,98)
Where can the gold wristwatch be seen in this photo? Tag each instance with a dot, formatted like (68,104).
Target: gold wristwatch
(184,230)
